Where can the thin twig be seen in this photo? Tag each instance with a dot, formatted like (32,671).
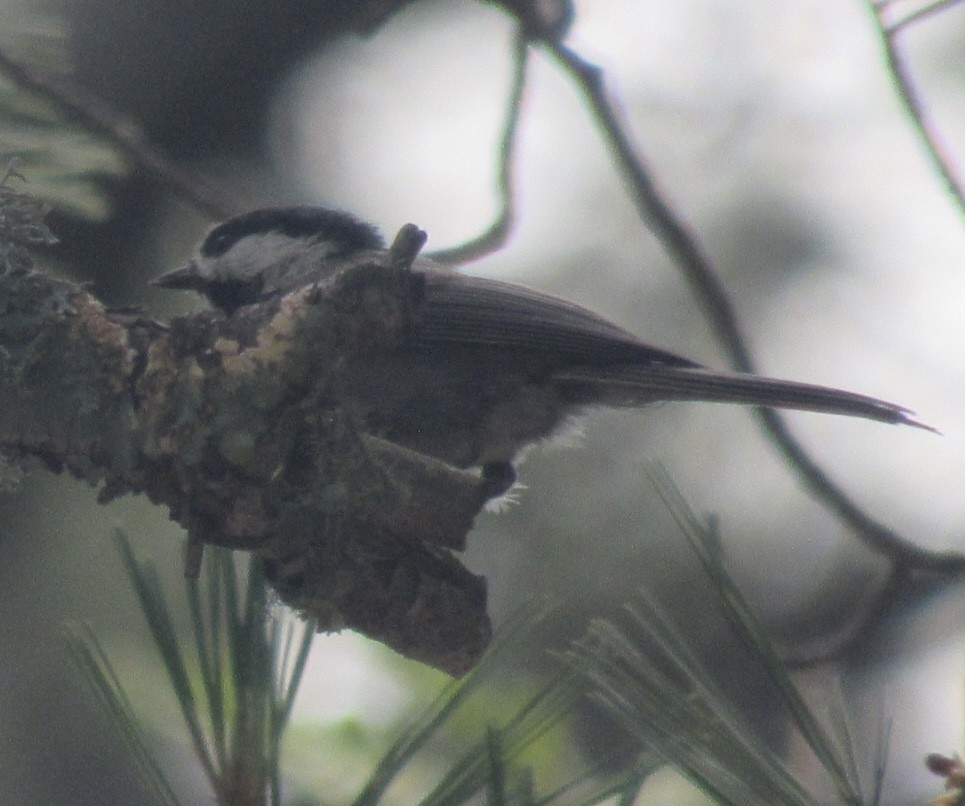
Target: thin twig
(873,533)
(915,16)
(95,116)
(912,102)
(655,210)
(854,635)
(699,273)
(901,589)
(496,235)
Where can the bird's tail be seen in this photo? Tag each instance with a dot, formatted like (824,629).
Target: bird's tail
(634,385)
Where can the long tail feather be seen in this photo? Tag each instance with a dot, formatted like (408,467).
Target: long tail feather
(635,385)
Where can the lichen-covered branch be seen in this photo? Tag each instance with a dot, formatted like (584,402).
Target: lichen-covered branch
(237,425)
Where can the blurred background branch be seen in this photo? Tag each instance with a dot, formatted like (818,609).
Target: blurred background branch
(271,101)
(891,24)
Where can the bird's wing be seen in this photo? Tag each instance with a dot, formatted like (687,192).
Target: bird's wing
(600,362)
(460,309)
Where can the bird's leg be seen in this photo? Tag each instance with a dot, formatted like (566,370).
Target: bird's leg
(498,478)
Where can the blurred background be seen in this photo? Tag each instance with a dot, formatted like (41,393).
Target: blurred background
(772,127)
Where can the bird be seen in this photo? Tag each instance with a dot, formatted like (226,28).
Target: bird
(489,367)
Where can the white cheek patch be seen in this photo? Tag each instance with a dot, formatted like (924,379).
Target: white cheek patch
(256,253)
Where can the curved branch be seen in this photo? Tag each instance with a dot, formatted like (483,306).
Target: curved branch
(496,235)
(914,16)
(700,275)
(912,102)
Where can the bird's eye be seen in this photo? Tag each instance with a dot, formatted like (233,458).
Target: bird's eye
(216,244)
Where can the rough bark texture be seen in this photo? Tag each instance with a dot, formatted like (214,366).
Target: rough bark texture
(238,427)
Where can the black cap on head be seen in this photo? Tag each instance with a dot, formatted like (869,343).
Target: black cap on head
(296,222)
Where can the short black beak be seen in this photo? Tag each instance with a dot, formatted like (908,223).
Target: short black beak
(185,277)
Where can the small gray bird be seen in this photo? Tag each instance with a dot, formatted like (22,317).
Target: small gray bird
(492,366)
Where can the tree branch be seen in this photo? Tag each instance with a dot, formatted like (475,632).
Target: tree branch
(237,425)
(497,233)
(911,101)
(699,272)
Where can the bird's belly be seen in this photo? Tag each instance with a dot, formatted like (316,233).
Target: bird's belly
(466,406)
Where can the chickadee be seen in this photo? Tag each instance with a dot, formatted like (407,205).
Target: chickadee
(490,366)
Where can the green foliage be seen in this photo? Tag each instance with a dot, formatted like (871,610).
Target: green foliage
(249,662)
(100,674)
(491,765)
(662,694)
(65,159)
